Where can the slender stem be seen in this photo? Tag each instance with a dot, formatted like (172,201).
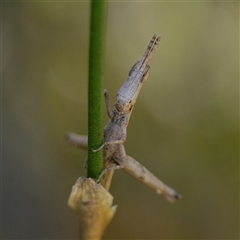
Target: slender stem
(95,89)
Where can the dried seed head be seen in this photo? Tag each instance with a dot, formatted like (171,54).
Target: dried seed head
(93,204)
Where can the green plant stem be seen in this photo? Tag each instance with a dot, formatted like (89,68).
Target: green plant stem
(95,89)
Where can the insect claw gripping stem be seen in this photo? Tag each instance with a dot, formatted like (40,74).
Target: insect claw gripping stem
(98,149)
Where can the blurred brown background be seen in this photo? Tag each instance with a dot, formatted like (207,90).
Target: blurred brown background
(184,127)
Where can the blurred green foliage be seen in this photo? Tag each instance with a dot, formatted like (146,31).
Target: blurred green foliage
(184,127)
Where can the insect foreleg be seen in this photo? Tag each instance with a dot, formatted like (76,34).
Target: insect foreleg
(106,98)
(108,143)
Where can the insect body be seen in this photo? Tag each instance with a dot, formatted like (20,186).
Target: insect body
(115,133)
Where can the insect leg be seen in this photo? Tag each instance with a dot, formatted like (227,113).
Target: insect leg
(106,97)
